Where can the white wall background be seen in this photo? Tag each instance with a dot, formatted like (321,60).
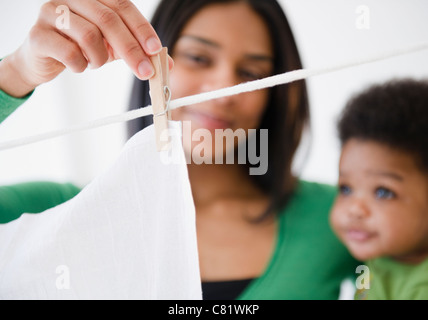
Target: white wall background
(327,32)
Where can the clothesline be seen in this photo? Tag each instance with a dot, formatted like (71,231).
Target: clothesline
(264,83)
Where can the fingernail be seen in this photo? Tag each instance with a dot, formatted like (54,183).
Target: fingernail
(146,70)
(153,45)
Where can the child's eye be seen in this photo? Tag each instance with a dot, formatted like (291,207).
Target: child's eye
(384,193)
(345,190)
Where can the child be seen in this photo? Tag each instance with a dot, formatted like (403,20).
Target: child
(381,211)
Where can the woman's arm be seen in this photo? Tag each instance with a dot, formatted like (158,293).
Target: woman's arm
(11,81)
(33,197)
(11,97)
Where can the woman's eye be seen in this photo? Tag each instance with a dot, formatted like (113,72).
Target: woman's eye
(198,59)
(247,75)
(345,190)
(384,193)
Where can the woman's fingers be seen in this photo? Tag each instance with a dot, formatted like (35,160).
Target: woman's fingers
(123,42)
(49,44)
(98,31)
(141,29)
(86,35)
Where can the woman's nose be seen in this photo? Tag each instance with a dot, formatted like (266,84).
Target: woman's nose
(219,78)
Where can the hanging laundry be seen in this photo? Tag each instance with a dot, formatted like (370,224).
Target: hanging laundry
(130,234)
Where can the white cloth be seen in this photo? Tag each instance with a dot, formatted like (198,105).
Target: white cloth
(130,234)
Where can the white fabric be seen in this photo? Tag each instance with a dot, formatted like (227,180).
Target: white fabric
(130,234)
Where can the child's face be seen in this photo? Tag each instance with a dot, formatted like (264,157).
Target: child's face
(382,206)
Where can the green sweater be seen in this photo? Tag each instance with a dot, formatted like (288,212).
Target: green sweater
(9,104)
(391,280)
(33,197)
(308,262)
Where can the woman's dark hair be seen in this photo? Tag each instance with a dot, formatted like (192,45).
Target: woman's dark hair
(287,112)
(394,113)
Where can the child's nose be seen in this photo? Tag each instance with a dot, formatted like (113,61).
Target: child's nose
(358,209)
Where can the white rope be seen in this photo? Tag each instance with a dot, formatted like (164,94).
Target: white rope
(206,96)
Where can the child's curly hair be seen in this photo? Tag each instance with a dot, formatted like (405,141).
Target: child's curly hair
(394,113)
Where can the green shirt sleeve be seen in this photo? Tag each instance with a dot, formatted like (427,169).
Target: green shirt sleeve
(33,197)
(9,104)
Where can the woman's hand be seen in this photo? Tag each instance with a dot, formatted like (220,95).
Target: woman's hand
(99,31)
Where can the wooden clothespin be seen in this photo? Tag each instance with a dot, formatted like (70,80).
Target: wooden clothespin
(160,96)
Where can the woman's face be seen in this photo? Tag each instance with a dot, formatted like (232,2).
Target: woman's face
(221,46)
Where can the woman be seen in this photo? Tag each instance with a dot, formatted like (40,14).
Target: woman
(259,236)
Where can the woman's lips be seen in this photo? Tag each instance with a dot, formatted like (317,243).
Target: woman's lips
(209,121)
